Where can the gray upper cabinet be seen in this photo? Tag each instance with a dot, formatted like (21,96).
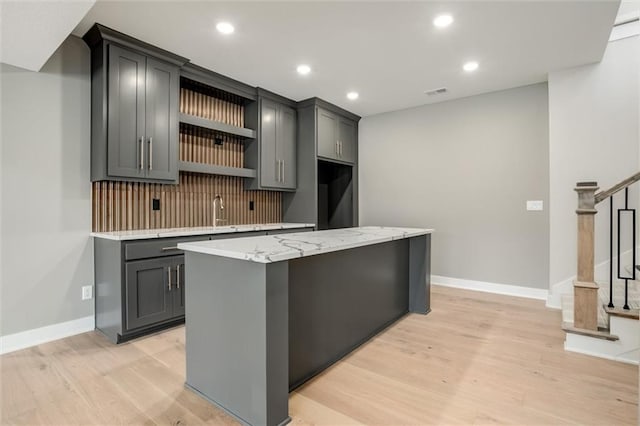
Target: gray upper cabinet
(162,101)
(327,134)
(337,136)
(273,152)
(135,89)
(347,140)
(286,146)
(126,114)
(269,161)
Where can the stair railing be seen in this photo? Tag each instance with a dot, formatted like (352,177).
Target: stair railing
(585,289)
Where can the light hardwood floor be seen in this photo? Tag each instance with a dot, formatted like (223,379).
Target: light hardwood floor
(475,359)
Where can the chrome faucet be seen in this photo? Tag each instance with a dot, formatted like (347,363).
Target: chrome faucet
(218,203)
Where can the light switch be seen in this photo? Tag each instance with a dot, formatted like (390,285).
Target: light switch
(534,205)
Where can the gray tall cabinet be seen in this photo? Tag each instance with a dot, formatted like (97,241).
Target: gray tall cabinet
(327,190)
(134,109)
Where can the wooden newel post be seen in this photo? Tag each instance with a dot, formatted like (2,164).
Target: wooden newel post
(585,290)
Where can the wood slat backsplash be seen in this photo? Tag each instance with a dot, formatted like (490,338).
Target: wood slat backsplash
(198,145)
(119,206)
(224,110)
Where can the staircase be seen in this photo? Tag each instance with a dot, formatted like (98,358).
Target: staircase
(602,319)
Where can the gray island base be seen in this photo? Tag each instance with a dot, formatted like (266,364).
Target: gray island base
(266,314)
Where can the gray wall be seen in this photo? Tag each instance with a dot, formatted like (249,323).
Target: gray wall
(593,136)
(47,254)
(466,168)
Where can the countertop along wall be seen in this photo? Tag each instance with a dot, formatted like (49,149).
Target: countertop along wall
(466,168)
(47,254)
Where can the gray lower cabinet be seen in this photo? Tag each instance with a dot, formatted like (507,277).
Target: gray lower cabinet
(140,284)
(273,152)
(135,91)
(337,136)
(149,298)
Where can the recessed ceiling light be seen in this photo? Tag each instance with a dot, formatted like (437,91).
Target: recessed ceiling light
(442,21)
(352,95)
(303,69)
(225,28)
(470,66)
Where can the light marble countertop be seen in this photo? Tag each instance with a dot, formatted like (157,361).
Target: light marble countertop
(144,234)
(276,248)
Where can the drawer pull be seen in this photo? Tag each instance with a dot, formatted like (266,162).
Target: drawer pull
(169,248)
(169,276)
(178,276)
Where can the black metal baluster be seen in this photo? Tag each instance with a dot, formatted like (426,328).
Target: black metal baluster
(633,248)
(611,251)
(626,281)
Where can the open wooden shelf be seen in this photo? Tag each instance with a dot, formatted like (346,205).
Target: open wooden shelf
(212,169)
(217,126)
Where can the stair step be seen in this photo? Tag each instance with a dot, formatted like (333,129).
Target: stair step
(601,333)
(624,313)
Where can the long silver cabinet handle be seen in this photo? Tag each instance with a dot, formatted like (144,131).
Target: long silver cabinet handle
(178,276)
(169,248)
(283,171)
(141,152)
(150,153)
(277,170)
(169,276)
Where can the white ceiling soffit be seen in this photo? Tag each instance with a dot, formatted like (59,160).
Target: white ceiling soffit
(389,52)
(31,31)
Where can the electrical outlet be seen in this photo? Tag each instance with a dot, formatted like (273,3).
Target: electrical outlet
(251,205)
(156,204)
(535,205)
(87,292)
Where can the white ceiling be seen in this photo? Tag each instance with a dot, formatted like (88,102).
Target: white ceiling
(387,51)
(30,31)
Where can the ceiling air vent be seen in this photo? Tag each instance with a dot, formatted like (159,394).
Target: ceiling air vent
(440,91)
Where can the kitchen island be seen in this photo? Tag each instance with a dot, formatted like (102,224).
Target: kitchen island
(265,314)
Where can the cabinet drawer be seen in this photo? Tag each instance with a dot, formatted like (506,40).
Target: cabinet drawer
(157,248)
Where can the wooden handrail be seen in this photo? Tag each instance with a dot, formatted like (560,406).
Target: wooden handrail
(603,195)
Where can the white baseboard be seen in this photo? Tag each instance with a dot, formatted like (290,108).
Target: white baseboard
(506,289)
(554,299)
(36,336)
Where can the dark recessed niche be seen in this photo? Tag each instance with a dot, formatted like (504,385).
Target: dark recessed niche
(156,204)
(251,205)
(335,195)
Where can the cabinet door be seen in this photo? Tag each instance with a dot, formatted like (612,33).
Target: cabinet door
(286,147)
(327,134)
(178,291)
(347,140)
(148,299)
(269,164)
(126,113)
(162,91)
